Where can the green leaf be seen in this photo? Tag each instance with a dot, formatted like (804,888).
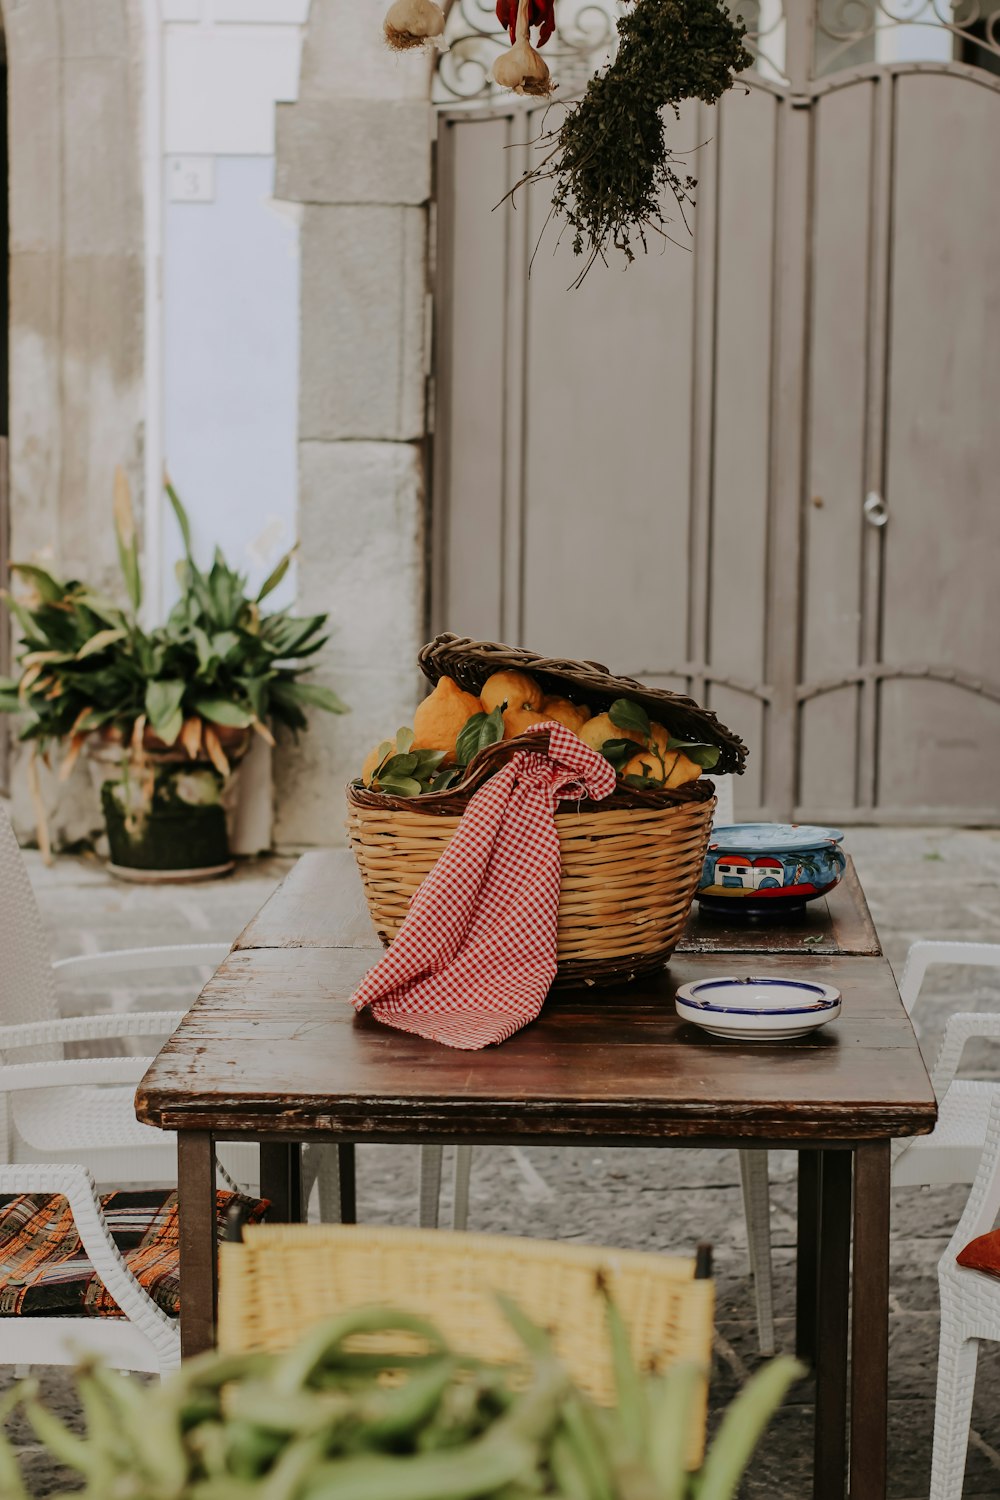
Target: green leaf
(428,760)
(100,642)
(629,715)
(162,703)
(183,524)
(404,739)
(274,578)
(444,779)
(31,633)
(706,756)
(400,786)
(480,730)
(223,711)
(317,696)
(49,589)
(619,752)
(642,782)
(400,765)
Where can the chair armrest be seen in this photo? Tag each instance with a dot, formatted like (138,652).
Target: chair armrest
(15,1078)
(983,1203)
(77,1186)
(91,1028)
(960,1028)
(923,954)
(174,956)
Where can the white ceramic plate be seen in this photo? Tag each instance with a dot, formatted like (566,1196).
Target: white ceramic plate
(757,1009)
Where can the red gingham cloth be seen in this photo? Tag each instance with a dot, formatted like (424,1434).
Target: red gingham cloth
(476,955)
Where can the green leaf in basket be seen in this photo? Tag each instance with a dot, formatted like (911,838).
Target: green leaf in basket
(643,782)
(427,760)
(619,752)
(706,756)
(400,786)
(444,779)
(480,730)
(399,765)
(404,740)
(629,715)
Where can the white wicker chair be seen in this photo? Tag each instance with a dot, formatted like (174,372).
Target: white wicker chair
(78,1110)
(952,1151)
(145,1339)
(753,1177)
(970,1311)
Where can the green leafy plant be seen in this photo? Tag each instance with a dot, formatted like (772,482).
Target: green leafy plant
(221,665)
(608,161)
(321,1421)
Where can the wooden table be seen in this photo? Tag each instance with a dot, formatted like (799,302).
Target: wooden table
(272,1052)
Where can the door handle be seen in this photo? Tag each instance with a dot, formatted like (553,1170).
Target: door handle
(875,509)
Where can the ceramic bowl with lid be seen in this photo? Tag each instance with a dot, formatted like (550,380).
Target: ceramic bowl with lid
(764,868)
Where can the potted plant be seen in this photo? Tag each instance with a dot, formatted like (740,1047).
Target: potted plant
(167,712)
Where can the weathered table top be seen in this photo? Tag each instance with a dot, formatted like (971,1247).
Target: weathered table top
(273,1048)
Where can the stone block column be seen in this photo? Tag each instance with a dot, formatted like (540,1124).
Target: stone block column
(355,153)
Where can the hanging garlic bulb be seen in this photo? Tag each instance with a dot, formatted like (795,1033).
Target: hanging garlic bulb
(412,23)
(522,69)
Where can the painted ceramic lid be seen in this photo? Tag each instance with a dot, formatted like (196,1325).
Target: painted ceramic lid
(762,837)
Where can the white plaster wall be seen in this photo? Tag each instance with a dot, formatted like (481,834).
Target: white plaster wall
(230,284)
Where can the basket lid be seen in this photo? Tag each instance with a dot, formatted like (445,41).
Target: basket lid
(471,662)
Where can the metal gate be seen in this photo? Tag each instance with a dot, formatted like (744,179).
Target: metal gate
(762,470)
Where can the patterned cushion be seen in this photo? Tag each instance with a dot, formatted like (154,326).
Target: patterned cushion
(982,1254)
(45,1273)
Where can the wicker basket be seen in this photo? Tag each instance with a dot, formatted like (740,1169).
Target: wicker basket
(285,1278)
(630,864)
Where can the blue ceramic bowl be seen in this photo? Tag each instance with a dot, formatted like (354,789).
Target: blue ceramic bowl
(765,868)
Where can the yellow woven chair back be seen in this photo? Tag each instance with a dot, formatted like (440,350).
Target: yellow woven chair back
(284,1278)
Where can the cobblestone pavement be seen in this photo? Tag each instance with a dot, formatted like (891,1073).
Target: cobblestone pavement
(921,883)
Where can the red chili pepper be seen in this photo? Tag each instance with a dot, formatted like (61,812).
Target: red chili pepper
(541,13)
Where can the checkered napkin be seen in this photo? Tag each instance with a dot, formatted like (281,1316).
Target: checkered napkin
(476,955)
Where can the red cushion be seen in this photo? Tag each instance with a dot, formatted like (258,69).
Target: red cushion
(982,1254)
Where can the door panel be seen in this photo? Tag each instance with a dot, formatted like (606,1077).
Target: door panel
(941,563)
(832,521)
(607,451)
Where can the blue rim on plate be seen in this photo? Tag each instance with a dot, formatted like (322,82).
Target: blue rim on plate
(828,998)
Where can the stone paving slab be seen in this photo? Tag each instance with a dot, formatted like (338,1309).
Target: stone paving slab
(921,883)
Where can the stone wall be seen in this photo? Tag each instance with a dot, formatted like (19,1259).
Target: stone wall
(76,299)
(355,152)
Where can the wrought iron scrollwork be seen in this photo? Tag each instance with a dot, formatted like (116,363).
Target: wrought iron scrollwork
(850,31)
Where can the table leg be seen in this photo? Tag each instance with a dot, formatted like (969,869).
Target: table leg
(281,1180)
(197,1231)
(833,1290)
(806,1262)
(348,1188)
(870,1323)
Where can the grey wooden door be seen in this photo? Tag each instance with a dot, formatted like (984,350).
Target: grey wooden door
(762,469)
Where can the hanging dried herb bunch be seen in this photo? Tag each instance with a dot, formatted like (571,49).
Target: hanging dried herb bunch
(608,160)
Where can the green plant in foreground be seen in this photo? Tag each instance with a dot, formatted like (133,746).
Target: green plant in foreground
(321,1422)
(219,664)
